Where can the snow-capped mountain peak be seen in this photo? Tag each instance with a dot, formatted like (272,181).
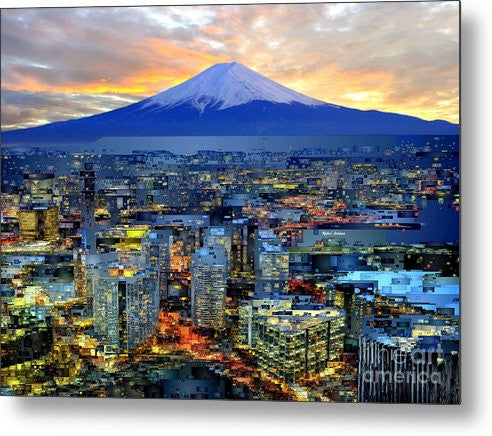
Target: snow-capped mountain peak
(227,85)
(254,106)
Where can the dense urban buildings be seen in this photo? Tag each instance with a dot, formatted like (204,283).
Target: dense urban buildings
(322,273)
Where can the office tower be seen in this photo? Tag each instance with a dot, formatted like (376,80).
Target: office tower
(38,223)
(271,263)
(208,287)
(297,343)
(157,247)
(140,294)
(249,309)
(38,215)
(80,278)
(124,301)
(88,191)
(92,267)
(242,249)
(29,225)
(216,236)
(105,308)
(50,222)
(38,188)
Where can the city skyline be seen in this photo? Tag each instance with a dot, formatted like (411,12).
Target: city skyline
(230,237)
(380,57)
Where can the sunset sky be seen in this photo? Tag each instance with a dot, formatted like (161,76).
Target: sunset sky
(59,64)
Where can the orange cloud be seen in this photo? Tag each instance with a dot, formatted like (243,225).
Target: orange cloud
(369,91)
(213,30)
(141,81)
(365,57)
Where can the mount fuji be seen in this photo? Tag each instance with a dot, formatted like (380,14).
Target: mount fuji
(226,99)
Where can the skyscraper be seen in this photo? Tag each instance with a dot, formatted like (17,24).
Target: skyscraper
(271,263)
(38,223)
(208,287)
(126,305)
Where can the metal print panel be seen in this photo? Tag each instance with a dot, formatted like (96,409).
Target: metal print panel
(248,202)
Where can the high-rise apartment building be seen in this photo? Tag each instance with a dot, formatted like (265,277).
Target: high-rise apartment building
(296,343)
(126,305)
(271,264)
(208,287)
